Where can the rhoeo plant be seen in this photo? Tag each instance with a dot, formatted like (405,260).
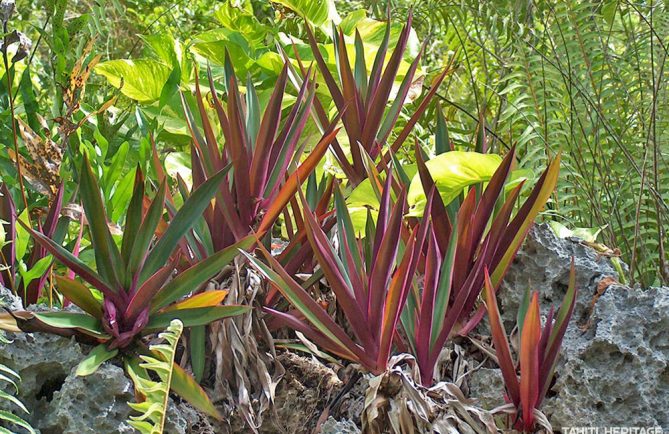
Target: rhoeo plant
(264,151)
(537,356)
(481,233)
(370,278)
(133,290)
(363,97)
(25,277)
(297,256)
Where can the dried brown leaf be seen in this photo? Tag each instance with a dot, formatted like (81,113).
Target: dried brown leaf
(43,172)
(396,403)
(247,371)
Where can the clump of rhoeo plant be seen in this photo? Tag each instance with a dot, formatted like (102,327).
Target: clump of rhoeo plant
(480,232)
(537,355)
(133,291)
(264,149)
(25,271)
(370,278)
(368,102)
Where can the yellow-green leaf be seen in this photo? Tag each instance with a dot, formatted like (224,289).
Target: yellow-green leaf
(141,79)
(452,172)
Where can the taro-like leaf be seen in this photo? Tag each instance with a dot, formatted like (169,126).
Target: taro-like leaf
(318,12)
(141,80)
(452,172)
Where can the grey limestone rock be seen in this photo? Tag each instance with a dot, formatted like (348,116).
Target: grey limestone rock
(616,373)
(332,426)
(43,362)
(543,264)
(9,300)
(92,404)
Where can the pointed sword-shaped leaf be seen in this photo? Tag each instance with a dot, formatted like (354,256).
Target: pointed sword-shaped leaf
(501,343)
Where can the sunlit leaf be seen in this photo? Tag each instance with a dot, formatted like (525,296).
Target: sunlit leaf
(186,387)
(142,80)
(317,12)
(452,172)
(69,320)
(80,295)
(195,316)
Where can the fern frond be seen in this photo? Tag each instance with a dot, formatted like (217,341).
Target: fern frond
(9,376)
(156,393)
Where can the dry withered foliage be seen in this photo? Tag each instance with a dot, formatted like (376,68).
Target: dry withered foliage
(602,286)
(246,368)
(73,93)
(43,171)
(396,403)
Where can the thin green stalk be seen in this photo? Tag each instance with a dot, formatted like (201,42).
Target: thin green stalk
(11,108)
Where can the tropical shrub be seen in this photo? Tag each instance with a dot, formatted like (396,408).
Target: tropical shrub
(577,76)
(388,250)
(374,276)
(263,151)
(361,98)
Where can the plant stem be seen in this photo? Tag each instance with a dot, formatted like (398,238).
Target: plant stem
(14,133)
